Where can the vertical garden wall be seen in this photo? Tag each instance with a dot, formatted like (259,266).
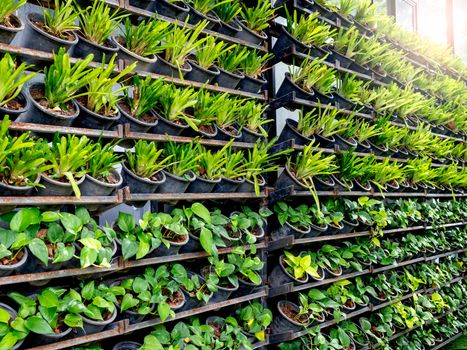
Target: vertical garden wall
(228,175)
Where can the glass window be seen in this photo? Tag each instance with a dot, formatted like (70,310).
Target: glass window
(406,14)
(460,28)
(432,21)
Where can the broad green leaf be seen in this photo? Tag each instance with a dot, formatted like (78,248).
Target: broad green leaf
(206,240)
(163,309)
(73,321)
(50,216)
(8,341)
(38,325)
(201,211)
(39,249)
(129,248)
(25,218)
(4,316)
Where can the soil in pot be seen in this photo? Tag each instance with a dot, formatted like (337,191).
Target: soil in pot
(38,37)
(7,190)
(165,126)
(14,264)
(53,187)
(41,111)
(92,120)
(102,186)
(175,300)
(336,273)
(228,132)
(8,31)
(176,242)
(142,124)
(288,319)
(15,107)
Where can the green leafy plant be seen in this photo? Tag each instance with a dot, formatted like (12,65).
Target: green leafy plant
(13,79)
(101,165)
(252,116)
(257,18)
(232,60)
(143,96)
(254,64)
(227,11)
(299,217)
(299,266)
(61,21)
(314,74)
(146,161)
(211,163)
(98,301)
(145,39)
(309,30)
(208,53)
(174,102)
(185,158)
(256,319)
(98,22)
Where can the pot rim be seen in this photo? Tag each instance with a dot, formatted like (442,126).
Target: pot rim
(191,179)
(106,117)
(18,264)
(114,49)
(131,53)
(287,77)
(15,29)
(281,264)
(136,120)
(105,184)
(17,111)
(210,16)
(237,74)
(295,306)
(21,188)
(213,69)
(261,35)
(101,323)
(40,17)
(148,181)
(47,111)
(182,69)
(59,183)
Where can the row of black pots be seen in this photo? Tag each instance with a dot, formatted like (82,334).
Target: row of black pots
(182,12)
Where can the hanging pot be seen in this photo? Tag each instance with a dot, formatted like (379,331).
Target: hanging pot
(334,228)
(316,230)
(345,144)
(253,85)
(280,276)
(143,124)
(363,147)
(178,10)
(285,322)
(248,186)
(286,41)
(288,86)
(15,107)
(325,141)
(36,38)
(227,135)
(7,34)
(195,17)
(147,5)
(173,249)
(202,185)
(96,187)
(344,61)
(143,64)
(378,150)
(362,187)
(127,345)
(230,29)
(17,267)
(287,179)
(165,126)
(93,120)
(39,115)
(95,326)
(336,273)
(223,292)
(138,184)
(349,226)
(206,131)
(7,190)
(392,187)
(250,136)
(53,187)
(323,99)
(164,67)
(52,338)
(227,79)
(341,185)
(84,47)
(343,103)
(249,35)
(176,184)
(290,230)
(200,74)
(13,316)
(227,185)
(290,132)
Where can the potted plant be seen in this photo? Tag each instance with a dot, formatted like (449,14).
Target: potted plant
(99,306)
(203,68)
(10,338)
(354,332)
(303,173)
(134,298)
(229,64)
(332,259)
(10,24)
(136,108)
(203,10)
(205,113)
(180,173)
(141,44)
(308,35)
(97,23)
(172,8)
(259,161)
(12,101)
(178,45)
(226,117)
(254,20)
(198,290)
(253,121)
(68,157)
(227,13)
(98,104)
(295,221)
(102,179)
(173,107)
(246,269)
(209,170)
(53,101)
(233,173)
(251,223)
(289,318)
(227,281)
(293,268)
(254,320)
(54,30)
(253,66)
(142,171)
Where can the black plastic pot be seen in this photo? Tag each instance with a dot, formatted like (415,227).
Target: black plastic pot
(145,64)
(136,124)
(161,66)
(84,47)
(363,147)
(282,323)
(280,276)
(17,191)
(138,184)
(7,34)
(362,187)
(288,86)
(227,185)
(375,300)
(286,179)
(92,120)
(231,29)
(147,5)
(176,184)
(342,186)
(325,141)
(250,84)
(250,36)
(223,135)
(127,345)
(392,187)
(250,136)
(194,17)
(343,102)
(349,226)
(201,74)
(345,144)
(316,230)
(344,61)
(227,79)
(245,287)
(201,185)
(290,132)
(14,113)
(193,245)
(378,150)
(39,115)
(52,338)
(174,248)
(173,10)
(290,230)
(334,229)
(94,187)
(248,186)
(223,293)
(95,326)
(7,270)
(37,39)
(55,188)
(323,99)
(285,41)
(332,273)
(133,316)
(165,126)
(191,301)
